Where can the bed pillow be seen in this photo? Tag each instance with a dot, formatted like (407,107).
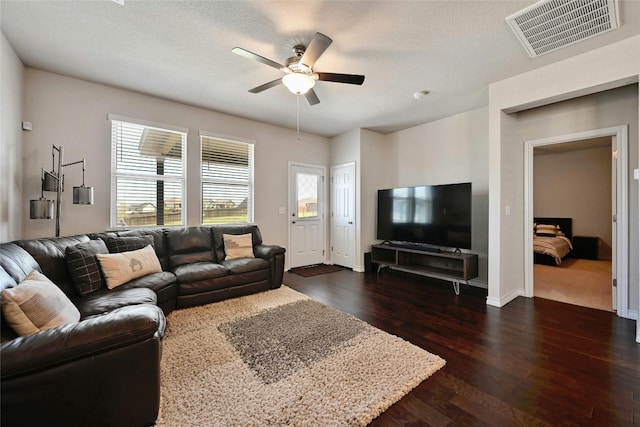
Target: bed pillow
(37,304)
(84,267)
(547,230)
(122,267)
(238,246)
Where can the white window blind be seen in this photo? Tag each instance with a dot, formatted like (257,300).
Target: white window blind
(227,180)
(148,175)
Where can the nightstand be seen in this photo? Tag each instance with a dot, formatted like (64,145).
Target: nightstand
(585,247)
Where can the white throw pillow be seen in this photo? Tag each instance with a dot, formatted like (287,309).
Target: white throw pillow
(125,266)
(238,246)
(37,304)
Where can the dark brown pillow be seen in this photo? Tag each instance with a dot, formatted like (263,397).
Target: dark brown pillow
(128,243)
(84,267)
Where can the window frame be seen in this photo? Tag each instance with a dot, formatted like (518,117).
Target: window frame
(250,182)
(181,180)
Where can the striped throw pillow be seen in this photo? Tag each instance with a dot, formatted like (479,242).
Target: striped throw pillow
(238,246)
(37,304)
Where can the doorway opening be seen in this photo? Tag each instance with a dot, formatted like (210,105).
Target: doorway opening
(616,138)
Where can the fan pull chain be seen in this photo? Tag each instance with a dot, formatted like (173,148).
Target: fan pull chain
(298,117)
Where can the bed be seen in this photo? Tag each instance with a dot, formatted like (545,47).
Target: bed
(552,239)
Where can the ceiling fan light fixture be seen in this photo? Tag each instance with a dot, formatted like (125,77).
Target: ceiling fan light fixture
(298,83)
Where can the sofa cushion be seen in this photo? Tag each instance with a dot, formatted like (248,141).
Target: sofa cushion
(105,300)
(49,253)
(119,268)
(189,245)
(237,246)
(245,265)
(154,281)
(37,304)
(163,284)
(128,243)
(84,266)
(17,263)
(198,271)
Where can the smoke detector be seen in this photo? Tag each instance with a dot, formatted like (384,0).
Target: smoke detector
(552,24)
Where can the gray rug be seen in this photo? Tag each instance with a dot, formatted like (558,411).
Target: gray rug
(278,358)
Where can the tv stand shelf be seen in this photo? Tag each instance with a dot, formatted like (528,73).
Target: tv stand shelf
(455,267)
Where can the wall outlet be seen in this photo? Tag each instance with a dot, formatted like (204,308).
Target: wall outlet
(27,126)
(282,210)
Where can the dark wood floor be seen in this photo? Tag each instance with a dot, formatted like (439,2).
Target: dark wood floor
(533,362)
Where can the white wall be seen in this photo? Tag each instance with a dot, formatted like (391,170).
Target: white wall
(609,67)
(11,95)
(378,170)
(73,113)
(450,150)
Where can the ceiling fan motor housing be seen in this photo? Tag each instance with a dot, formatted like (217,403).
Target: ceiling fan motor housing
(298,50)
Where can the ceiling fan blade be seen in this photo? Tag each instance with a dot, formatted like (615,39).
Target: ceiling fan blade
(266,86)
(354,79)
(250,55)
(312,98)
(318,44)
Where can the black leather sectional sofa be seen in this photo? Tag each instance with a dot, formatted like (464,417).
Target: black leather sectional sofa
(105,369)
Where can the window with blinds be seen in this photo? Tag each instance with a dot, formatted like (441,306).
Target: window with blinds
(148,166)
(227,180)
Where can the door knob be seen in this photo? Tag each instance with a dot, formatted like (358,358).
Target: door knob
(293,222)
(350,222)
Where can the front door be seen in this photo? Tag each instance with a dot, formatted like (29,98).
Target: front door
(306,215)
(343,203)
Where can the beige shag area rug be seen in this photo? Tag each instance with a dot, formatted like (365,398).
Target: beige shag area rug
(279,358)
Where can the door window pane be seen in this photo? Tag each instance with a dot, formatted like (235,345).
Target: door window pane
(307,195)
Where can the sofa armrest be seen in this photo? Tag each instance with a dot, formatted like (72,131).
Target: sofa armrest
(267,251)
(93,335)
(275,255)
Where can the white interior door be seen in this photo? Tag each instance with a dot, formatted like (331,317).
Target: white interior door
(306,215)
(614,224)
(343,214)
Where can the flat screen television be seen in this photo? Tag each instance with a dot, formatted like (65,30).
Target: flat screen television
(436,215)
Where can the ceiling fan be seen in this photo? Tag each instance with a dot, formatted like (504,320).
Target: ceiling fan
(299,76)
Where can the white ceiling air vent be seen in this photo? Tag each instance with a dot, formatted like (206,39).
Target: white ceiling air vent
(551,24)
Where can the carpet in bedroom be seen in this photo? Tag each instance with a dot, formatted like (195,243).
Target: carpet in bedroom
(582,282)
(280,358)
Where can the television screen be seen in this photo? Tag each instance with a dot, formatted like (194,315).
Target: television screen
(438,215)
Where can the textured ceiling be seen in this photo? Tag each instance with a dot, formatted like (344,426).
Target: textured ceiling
(181,50)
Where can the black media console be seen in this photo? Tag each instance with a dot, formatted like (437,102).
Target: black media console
(453,266)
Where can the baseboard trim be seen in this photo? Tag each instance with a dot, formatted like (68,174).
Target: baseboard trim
(505,299)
